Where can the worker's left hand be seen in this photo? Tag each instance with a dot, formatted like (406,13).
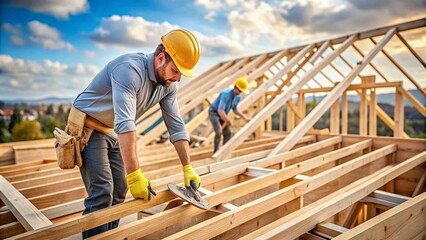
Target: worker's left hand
(191,175)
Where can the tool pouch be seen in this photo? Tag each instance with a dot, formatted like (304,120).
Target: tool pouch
(80,134)
(65,146)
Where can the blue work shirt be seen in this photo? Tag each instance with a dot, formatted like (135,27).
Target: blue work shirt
(224,101)
(124,90)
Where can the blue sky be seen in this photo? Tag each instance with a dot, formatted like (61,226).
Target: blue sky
(53,48)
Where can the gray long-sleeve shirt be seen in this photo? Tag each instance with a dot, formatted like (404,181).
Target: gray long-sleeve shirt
(124,90)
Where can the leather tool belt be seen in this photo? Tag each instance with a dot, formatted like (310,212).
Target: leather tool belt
(70,143)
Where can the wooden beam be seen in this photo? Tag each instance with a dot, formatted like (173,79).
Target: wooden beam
(403,71)
(91,220)
(330,229)
(235,191)
(322,107)
(286,226)
(416,55)
(406,221)
(231,219)
(419,106)
(420,185)
(28,215)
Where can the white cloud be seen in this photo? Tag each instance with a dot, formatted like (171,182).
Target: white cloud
(57,8)
(259,24)
(25,78)
(210,16)
(47,37)
(270,25)
(219,45)
(342,17)
(16,33)
(209,4)
(19,67)
(130,32)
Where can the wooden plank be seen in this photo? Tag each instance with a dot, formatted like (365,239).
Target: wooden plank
(159,221)
(330,229)
(318,111)
(406,221)
(28,215)
(231,219)
(255,156)
(286,227)
(107,215)
(11,229)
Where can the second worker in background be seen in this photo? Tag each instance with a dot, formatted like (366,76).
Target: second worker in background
(218,113)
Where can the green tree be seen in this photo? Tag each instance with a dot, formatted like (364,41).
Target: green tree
(4,133)
(15,119)
(48,124)
(49,110)
(27,130)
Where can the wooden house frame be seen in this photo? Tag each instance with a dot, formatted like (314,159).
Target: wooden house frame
(301,183)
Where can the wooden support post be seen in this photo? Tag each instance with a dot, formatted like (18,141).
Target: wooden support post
(363,107)
(334,117)
(290,117)
(399,114)
(259,130)
(373,113)
(269,124)
(301,105)
(345,112)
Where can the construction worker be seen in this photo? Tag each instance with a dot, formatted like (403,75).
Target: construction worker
(228,99)
(118,95)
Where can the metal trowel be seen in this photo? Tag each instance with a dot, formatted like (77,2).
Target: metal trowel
(189,194)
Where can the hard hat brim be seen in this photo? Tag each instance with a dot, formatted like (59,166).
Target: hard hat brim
(245,90)
(186,72)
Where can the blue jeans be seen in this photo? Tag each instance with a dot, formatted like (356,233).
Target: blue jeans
(217,127)
(104,177)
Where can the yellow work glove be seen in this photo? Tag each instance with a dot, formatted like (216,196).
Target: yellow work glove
(140,187)
(191,177)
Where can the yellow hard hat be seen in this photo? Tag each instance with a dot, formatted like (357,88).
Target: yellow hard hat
(184,49)
(242,84)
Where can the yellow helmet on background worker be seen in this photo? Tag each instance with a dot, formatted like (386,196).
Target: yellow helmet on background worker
(242,84)
(184,49)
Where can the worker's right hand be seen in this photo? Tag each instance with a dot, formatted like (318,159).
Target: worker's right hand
(140,186)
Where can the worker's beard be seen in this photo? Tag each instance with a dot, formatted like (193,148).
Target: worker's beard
(161,73)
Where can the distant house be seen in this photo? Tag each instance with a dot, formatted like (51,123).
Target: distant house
(6,114)
(29,115)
